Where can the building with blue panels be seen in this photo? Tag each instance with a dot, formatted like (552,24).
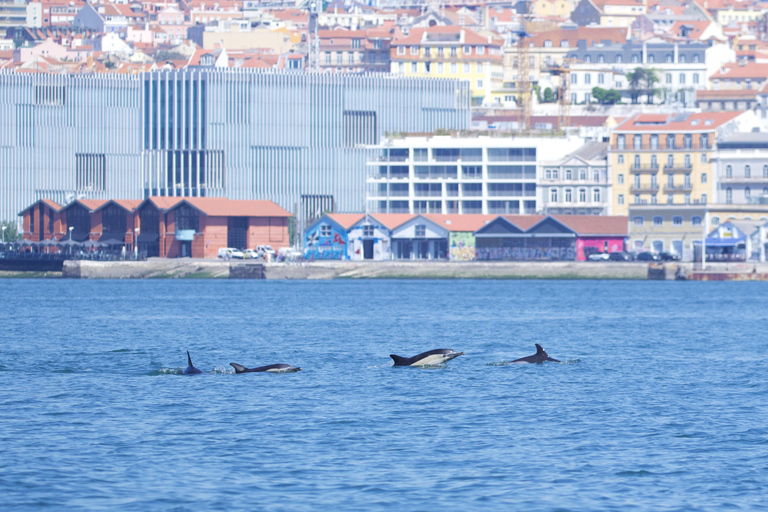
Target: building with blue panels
(301,140)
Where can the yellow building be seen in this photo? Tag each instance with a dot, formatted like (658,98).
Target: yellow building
(562,8)
(451,52)
(666,158)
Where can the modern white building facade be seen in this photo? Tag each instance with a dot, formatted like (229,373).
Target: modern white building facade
(447,174)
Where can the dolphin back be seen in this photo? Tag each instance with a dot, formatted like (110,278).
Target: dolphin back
(238,368)
(400,361)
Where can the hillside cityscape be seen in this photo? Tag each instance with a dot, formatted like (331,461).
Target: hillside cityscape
(553,130)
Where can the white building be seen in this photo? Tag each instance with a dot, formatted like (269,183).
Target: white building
(578,184)
(447,174)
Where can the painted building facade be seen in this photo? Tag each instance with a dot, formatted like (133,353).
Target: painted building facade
(579,183)
(741,164)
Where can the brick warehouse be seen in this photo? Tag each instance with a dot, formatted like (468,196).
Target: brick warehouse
(167,227)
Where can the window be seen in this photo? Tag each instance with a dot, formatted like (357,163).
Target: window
(637,143)
(637,181)
(596,195)
(682,78)
(548,174)
(600,78)
(479,84)
(582,195)
(658,221)
(681,58)
(747,193)
(587,58)
(637,221)
(696,221)
(715,221)
(668,78)
(454,51)
(601,58)
(703,198)
(480,50)
(728,172)
(187,218)
(582,174)
(677,220)
(620,179)
(636,164)
(635,58)
(696,57)
(325,230)
(587,78)
(568,175)
(568,195)
(414,50)
(479,67)
(420,231)
(747,172)
(440,68)
(695,78)
(651,58)
(574,78)
(467,67)
(32,220)
(728,195)
(548,43)
(620,159)
(414,67)
(620,199)
(350,58)
(564,43)
(670,141)
(454,68)
(467,50)
(703,158)
(687,141)
(703,177)
(553,195)
(765,171)
(620,142)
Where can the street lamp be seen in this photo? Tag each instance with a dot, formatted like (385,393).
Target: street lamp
(70,238)
(136,244)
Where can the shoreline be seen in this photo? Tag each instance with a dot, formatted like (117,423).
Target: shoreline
(187,268)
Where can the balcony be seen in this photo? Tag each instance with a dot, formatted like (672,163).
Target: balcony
(741,179)
(678,189)
(644,189)
(428,193)
(678,169)
(661,147)
(645,169)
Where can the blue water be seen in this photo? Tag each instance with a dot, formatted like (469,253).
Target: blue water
(660,402)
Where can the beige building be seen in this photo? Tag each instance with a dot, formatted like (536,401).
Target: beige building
(666,158)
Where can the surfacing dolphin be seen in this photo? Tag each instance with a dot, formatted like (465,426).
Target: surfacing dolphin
(272,368)
(191,370)
(433,357)
(539,357)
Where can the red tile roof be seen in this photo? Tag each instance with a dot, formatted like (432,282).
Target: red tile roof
(733,70)
(455,222)
(55,206)
(704,121)
(222,207)
(585,225)
(346,220)
(524,222)
(591,35)
(393,220)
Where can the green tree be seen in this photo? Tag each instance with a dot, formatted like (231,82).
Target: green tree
(612,96)
(549,96)
(650,79)
(635,80)
(11,232)
(599,94)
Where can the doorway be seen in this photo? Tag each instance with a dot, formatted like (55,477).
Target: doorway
(186,249)
(367,249)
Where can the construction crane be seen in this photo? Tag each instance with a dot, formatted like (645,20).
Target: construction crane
(524,96)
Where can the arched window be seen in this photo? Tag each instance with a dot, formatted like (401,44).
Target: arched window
(695,57)
(658,221)
(651,58)
(601,58)
(747,172)
(728,172)
(677,220)
(564,43)
(635,58)
(696,221)
(548,43)
(638,221)
(587,58)
(728,195)
(681,58)
(668,58)
(619,59)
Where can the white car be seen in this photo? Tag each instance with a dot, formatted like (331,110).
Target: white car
(230,252)
(598,256)
(250,254)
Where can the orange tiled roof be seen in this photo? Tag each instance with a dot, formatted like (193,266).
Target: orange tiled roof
(393,220)
(595,224)
(524,222)
(733,70)
(705,121)
(222,207)
(346,220)
(464,222)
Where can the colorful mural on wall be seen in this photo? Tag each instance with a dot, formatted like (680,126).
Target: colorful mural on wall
(462,246)
(324,242)
(594,245)
(541,249)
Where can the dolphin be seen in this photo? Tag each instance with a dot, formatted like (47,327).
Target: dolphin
(433,357)
(272,368)
(191,370)
(539,357)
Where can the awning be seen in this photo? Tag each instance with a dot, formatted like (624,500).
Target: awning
(112,238)
(722,242)
(147,238)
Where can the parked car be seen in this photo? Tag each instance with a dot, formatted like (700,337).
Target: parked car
(668,256)
(620,256)
(598,256)
(646,256)
(250,254)
(230,252)
(290,254)
(266,252)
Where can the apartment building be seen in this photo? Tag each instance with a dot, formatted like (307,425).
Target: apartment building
(741,164)
(451,52)
(578,184)
(19,13)
(667,158)
(680,69)
(355,51)
(451,174)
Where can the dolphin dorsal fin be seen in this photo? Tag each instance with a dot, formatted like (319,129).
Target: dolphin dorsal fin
(540,351)
(238,368)
(189,359)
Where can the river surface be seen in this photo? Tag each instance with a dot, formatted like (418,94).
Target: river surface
(660,402)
